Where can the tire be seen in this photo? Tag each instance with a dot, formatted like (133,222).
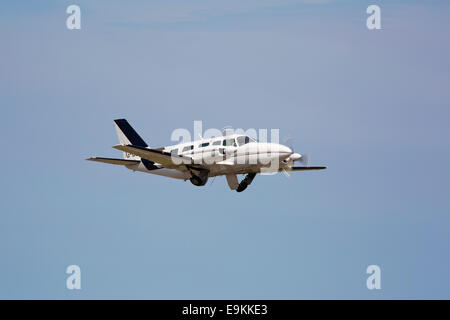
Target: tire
(242,186)
(196,181)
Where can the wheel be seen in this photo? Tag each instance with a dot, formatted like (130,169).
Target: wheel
(196,181)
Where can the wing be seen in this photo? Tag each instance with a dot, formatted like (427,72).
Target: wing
(121,162)
(305,168)
(164,158)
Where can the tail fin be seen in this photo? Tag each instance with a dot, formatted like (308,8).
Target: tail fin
(127,135)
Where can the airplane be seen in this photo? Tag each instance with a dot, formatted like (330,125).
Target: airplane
(196,161)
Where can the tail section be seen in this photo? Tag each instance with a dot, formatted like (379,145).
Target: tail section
(127,135)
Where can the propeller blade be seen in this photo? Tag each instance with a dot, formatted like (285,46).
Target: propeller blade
(289,142)
(286,173)
(304,159)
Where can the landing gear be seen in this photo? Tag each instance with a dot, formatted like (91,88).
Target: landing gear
(246,182)
(197,181)
(242,186)
(198,177)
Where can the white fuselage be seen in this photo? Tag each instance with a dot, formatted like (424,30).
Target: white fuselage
(233,154)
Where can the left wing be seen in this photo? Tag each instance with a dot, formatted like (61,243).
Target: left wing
(164,158)
(121,162)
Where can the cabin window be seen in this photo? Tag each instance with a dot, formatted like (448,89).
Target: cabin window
(243,140)
(217,143)
(187,148)
(229,143)
(204,145)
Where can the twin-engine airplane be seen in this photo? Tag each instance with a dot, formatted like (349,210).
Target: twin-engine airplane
(228,155)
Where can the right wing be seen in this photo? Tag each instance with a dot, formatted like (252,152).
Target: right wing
(122,162)
(166,159)
(305,168)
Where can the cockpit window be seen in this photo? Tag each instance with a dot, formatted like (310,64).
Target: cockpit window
(229,143)
(244,140)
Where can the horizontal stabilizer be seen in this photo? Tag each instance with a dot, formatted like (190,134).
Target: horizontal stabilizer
(305,168)
(114,161)
(164,158)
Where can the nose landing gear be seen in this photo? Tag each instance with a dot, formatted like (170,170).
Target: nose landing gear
(246,182)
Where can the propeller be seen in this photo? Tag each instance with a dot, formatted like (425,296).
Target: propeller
(302,158)
(289,142)
(286,173)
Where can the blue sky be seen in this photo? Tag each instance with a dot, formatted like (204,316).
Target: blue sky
(371,105)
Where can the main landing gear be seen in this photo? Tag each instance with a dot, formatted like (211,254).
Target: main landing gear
(198,177)
(197,181)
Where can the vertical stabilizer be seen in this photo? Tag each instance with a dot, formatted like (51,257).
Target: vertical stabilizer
(127,135)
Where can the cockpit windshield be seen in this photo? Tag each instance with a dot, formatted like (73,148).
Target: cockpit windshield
(229,143)
(241,140)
